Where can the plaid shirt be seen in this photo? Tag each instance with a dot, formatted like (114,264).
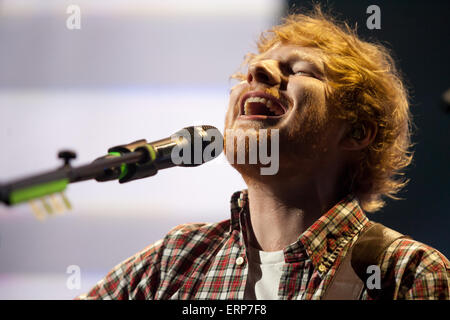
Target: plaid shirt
(209,261)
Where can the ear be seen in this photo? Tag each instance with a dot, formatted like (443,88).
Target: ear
(359,136)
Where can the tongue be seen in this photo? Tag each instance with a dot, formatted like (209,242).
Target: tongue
(258,108)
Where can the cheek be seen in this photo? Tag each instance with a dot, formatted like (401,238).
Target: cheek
(310,112)
(309,96)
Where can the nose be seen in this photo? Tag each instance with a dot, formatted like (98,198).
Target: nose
(266,72)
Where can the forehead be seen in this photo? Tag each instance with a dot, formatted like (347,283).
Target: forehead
(291,53)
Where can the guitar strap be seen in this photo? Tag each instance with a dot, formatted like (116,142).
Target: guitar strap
(351,275)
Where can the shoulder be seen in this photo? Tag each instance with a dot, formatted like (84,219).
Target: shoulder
(194,240)
(418,270)
(197,231)
(180,239)
(408,253)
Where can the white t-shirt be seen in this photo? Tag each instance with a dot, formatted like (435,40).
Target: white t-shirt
(264,273)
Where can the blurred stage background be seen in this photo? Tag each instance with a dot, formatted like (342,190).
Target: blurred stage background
(144,69)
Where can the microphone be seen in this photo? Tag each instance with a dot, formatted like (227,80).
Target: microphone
(188,147)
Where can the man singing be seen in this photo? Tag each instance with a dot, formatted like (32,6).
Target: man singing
(340,113)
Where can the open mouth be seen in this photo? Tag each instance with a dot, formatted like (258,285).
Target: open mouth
(260,105)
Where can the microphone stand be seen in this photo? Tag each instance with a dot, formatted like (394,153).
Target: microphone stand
(125,162)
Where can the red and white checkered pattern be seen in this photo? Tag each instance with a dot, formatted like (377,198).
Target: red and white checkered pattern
(198,261)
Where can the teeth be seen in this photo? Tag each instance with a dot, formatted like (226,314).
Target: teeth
(256,99)
(269,104)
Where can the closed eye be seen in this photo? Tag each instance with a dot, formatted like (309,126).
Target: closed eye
(305,68)
(304,73)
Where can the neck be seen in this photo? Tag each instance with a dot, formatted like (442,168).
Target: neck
(281,211)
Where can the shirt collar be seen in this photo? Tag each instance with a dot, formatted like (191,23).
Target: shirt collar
(324,239)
